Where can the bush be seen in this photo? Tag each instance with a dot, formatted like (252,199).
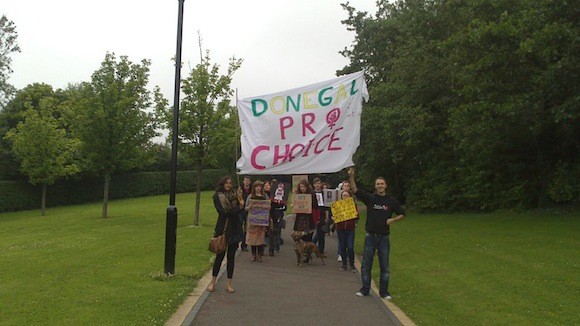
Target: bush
(20,195)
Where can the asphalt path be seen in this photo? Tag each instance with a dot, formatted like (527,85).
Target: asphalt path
(277,291)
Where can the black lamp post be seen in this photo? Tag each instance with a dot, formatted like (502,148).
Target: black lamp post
(171,220)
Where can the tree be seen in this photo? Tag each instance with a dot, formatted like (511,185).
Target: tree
(42,145)
(205,117)
(473,103)
(8,45)
(111,119)
(12,114)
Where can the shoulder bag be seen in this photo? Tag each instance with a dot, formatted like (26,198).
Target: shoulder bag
(218,244)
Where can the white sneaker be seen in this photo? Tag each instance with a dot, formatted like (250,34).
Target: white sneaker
(339,259)
(360,294)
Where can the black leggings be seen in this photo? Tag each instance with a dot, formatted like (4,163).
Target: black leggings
(231,250)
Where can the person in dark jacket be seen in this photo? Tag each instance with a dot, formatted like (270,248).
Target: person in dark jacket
(229,204)
(380,209)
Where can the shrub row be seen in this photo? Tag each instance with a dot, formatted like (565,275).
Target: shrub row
(20,195)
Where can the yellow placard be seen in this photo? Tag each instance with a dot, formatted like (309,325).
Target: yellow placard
(343,210)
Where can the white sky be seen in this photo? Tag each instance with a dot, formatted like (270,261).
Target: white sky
(284,43)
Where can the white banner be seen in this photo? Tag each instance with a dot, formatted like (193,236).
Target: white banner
(311,129)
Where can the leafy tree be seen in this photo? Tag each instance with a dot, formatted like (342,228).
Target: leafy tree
(111,118)
(42,145)
(474,103)
(13,113)
(205,118)
(8,45)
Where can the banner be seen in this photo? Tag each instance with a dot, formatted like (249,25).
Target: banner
(259,212)
(343,210)
(310,129)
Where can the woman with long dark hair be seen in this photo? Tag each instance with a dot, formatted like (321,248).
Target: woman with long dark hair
(228,204)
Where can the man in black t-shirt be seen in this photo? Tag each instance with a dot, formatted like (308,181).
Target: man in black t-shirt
(380,209)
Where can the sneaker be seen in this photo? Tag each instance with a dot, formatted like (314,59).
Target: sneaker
(387,296)
(339,259)
(353,269)
(360,294)
(342,268)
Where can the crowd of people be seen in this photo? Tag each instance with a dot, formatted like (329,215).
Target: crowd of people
(234,206)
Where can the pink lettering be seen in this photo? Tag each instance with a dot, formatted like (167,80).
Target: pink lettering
(333,139)
(255,153)
(285,123)
(306,124)
(278,156)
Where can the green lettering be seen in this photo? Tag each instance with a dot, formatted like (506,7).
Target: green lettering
(255,103)
(324,101)
(352,90)
(295,105)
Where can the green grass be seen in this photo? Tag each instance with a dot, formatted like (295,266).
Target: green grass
(74,268)
(485,269)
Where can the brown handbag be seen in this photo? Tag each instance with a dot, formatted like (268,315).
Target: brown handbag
(218,244)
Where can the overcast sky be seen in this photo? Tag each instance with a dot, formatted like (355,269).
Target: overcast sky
(284,43)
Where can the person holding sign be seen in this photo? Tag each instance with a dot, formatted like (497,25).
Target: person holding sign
(302,205)
(258,208)
(228,204)
(320,217)
(345,232)
(380,209)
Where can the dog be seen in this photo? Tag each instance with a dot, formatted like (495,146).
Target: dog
(304,249)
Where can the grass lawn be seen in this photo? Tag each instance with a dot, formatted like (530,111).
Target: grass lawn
(485,269)
(74,268)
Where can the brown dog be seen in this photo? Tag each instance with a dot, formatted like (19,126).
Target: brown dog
(304,249)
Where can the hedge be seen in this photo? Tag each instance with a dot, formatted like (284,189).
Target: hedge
(20,195)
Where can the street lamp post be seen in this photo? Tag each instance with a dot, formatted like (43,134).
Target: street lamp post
(171,219)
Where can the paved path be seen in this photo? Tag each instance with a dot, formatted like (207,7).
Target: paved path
(277,292)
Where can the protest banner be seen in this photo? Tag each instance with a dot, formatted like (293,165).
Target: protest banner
(310,129)
(330,196)
(343,210)
(259,212)
(302,203)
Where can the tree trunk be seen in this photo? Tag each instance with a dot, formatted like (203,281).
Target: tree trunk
(197,196)
(106,194)
(43,204)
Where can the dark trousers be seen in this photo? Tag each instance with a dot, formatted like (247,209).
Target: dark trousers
(319,238)
(231,252)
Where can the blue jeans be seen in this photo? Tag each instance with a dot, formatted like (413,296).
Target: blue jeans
(381,243)
(346,245)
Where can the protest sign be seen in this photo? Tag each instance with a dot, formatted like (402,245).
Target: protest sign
(330,196)
(343,210)
(310,129)
(259,212)
(302,203)
(280,192)
(296,179)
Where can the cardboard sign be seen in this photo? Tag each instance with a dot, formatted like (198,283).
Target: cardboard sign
(343,210)
(259,212)
(302,203)
(296,179)
(330,196)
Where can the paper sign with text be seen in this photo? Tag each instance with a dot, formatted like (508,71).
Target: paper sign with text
(343,210)
(302,203)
